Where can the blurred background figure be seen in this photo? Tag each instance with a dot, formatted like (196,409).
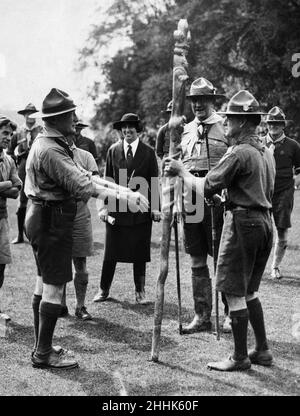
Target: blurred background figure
(19,148)
(83,142)
(163,135)
(10,184)
(286,152)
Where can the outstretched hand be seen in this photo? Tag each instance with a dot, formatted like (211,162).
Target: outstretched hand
(173,167)
(137,200)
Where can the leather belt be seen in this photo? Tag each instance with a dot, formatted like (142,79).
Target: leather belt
(50,203)
(239,208)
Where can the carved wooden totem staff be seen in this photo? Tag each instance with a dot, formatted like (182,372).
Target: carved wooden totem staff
(170,185)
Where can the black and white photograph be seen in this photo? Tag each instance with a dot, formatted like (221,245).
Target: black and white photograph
(149,202)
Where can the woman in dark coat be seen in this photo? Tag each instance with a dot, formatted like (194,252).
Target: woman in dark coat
(130,163)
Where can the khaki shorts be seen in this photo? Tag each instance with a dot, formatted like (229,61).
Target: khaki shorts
(5,254)
(245,247)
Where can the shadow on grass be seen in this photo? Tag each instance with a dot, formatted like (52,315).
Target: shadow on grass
(293,281)
(110,332)
(170,309)
(154,245)
(94,383)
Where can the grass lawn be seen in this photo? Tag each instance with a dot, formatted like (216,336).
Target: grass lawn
(114,349)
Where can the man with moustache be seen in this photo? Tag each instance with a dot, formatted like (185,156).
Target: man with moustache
(198,235)
(247,171)
(53,183)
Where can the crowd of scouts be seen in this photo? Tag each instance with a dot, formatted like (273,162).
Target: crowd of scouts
(248,178)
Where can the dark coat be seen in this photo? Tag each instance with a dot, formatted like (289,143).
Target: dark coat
(128,240)
(144,166)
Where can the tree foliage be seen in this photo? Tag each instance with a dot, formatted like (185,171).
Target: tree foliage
(235,44)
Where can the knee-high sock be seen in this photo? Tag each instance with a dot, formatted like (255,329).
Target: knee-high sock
(36,300)
(21,214)
(279,252)
(256,317)
(225,303)
(139,275)
(107,274)
(64,296)
(49,312)
(2,268)
(202,292)
(80,283)
(239,326)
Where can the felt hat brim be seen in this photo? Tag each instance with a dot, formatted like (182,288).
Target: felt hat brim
(206,95)
(40,114)
(241,113)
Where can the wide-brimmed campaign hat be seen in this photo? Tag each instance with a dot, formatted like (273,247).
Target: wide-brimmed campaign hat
(30,108)
(5,120)
(55,103)
(80,125)
(243,103)
(129,118)
(276,115)
(201,87)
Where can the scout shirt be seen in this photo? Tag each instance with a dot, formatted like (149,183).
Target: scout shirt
(287,157)
(247,170)
(193,144)
(51,173)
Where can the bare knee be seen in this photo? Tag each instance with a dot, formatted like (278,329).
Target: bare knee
(251,296)
(38,290)
(236,303)
(52,293)
(199,261)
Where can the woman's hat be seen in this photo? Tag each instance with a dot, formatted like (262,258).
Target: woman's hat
(276,115)
(242,103)
(129,118)
(55,103)
(201,87)
(30,108)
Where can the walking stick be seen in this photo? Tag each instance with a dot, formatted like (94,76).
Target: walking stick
(214,237)
(182,39)
(175,226)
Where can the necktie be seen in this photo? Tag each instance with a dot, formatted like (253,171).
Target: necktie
(129,158)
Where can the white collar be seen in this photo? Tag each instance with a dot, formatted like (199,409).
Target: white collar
(133,145)
(270,139)
(25,127)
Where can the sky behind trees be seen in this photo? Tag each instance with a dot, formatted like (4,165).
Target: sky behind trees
(39,46)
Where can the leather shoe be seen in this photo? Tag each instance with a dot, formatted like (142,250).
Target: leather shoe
(275,274)
(83,314)
(101,296)
(140,298)
(197,326)
(231,365)
(57,349)
(264,358)
(55,361)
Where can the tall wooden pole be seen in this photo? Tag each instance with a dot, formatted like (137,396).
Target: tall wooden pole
(182,39)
